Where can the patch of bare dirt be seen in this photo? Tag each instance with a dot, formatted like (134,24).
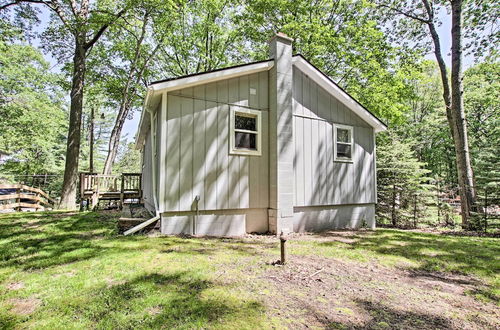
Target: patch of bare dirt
(15,286)
(112,282)
(31,225)
(324,292)
(314,291)
(154,310)
(66,274)
(24,306)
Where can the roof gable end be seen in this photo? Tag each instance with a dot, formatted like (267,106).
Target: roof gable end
(336,91)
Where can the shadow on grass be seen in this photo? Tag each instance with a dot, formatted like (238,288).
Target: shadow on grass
(433,253)
(7,321)
(31,241)
(176,300)
(384,317)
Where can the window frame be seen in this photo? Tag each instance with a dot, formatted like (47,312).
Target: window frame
(351,143)
(234,111)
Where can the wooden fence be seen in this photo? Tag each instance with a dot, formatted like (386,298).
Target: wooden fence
(17,196)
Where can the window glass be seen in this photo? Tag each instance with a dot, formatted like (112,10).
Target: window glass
(343,135)
(245,123)
(343,143)
(245,141)
(343,150)
(246,130)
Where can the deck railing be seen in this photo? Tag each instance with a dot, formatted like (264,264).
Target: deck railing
(94,187)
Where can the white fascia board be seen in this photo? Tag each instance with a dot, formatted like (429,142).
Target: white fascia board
(205,78)
(319,78)
(139,137)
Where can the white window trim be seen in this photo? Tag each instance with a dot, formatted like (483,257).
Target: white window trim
(351,130)
(251,113)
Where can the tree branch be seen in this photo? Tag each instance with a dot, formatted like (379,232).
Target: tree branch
(407,14)
(103,28)
(16,2)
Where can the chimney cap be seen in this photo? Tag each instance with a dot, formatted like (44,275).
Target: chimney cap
(281,35)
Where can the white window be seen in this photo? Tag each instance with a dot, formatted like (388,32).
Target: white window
(343,147)
(246,132)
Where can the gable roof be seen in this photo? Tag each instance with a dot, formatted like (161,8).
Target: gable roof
(335,90)
(156,88)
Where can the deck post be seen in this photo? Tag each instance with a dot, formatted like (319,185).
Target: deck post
(122,189)
(82,189)
(18,199)
(37,200)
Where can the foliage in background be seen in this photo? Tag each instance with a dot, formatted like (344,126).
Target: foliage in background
(402,182)
(32,111)
(482,102)
(126,58)
(204,36)
(341,38)
(425,121)
(129,159)
(104,116)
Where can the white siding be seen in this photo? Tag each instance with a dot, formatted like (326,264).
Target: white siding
(318,179)
(319,218)
(197,149)
(147,175)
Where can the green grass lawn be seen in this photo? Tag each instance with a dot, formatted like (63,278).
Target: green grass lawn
(72,270)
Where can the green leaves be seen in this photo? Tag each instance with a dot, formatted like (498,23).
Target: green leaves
(32,110)
(402,181)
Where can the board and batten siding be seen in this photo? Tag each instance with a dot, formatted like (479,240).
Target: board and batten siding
(198,162)
(318,179)
(147,175)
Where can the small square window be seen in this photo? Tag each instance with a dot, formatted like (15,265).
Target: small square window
(245,131)
(343,143)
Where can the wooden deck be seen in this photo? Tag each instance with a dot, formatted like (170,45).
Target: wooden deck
(122,188)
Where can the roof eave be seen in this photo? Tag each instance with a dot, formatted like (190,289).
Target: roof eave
(139,138)
(212,76)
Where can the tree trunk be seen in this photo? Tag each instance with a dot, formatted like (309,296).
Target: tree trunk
(454,104)
(393,211)
(134,76)
(68,193)
(114,140)
(465,174)
(91,147)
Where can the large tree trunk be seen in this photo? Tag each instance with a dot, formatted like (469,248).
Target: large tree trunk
(454,104)
(465,174)
(68,193)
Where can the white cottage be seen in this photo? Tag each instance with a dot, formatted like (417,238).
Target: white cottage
(270,146)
